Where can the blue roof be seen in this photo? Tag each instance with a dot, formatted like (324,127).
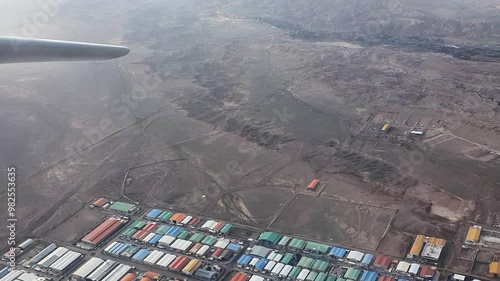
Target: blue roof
(142,254)
(154,213)
(233,247)
(120,249)
(118,244)
(174,231)
(155,239)
(261,264)
(367,259)
(4,271)
(244,260)
(338,252)
(369,276)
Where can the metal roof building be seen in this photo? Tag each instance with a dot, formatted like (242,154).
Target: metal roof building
(261,264)
(277,269)
(269,266)
(369,276)
(52,257)
(18,275)
(355,256)
(209,240)
(284,241)
(102,231)
(154,257)
(269,237)
(494,268)
(203,250)
(243,261)
(297,244)
(414,267)
(381,261)
(226,228)
(141,255)
(27,243)
(256,278)
(260,251)
(42,254)
(352,273)
(102,270)
(87,268)
(367,259)
(337,252)
(153,214)
(294,272)
(473,234)
(222,243)
(122,207)
(432,252)
(303,274)
(403,266)
(316,247)
(285,271)
(166,260)
(65,262)
(166,240)
(117,273)
(427,271)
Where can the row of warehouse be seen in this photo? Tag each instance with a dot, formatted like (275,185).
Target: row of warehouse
(365,260)
(96,269)
(182,219)
(160,259)
(18,275)
(103,231)
(55,260)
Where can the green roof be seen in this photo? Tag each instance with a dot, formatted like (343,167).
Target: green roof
(321,277)
(129,232)
(209,240)
(197,237)
(183,235)
(287,258)
(333,278)
(270,236)
(352,273)
(162,229)
(165,215)
(340,279)
(130,251)
(122,206)
(311,276)
(294,272)
(226,228)
(305,262)
(138,224)
(320,265)
(297,243)
(317,247)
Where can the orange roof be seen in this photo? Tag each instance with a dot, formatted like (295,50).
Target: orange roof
(420,238)
(313,184)
(128,277)
(145,279)
(473,234)
(178,217)
(495,268)
(151,275)
(416,249)
(100,202)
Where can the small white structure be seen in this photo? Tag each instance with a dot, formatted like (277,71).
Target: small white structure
(414,267)
(403,266)
(355,256)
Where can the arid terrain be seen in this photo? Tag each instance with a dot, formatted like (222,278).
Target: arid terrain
(230,108)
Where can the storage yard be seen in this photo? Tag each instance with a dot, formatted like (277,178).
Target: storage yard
(164,244)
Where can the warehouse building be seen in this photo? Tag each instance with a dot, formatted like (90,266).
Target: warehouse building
(269,238)
(297,244)
(207,272)
(117,273)
(153,214)
(260,251)
(367,260)
(432,252)
(226,229)
(494,269)
(382,262)
(65,262)
(104,269)
(427,271)
(355,256)
(166,260)
(141,255)
(154,257)
(26,244)
(99,203)
(473,235)
(42,254)
(352,273)
(129,277)
(83,271)
(417,247)
(338,253)
(203,251)
(414,268)
(403,266)
(369,276)
(52,257)
(123,207)
(191,267)
(18,275)
(103,231)
(314,247)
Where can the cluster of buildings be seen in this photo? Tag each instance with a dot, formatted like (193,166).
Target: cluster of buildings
(297,259)
(427,248)
(18,275)
(103,231)
(55,260)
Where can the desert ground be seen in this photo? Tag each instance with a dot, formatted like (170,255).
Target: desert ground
(230,108)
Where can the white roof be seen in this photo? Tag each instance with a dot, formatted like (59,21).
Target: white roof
(181,244)
(458,277)
(207,224)
(166,260)
(19,275)
(256,278)
(278,257)
(213,224)
(65,260)
(84,270)
(186,219)
(277,269)
(303,274)
(154,256)
(403,266)
(117,273)
(52,257)
(270,265)
(253,262)
(284,240)
(203,250)
(102,270)
(414,268)
(272,255)
(110,246)
(355,256)
(166,240)
(286,270)
(149,237)
(222,243)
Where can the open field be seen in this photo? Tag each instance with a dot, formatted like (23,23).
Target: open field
(335,221)
(77,226)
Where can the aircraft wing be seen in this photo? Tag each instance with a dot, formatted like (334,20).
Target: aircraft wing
(18,50)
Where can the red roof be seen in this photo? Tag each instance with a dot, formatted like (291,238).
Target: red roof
(427,271)
(194,221)
(313,184)
(217,252)
(219,225)
(381,261)
(151,275)
(100,202)
(386,278)
(128,277)
(151,227)
(240,276)
(102,231)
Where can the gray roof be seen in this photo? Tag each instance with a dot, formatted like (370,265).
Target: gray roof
(87,268)
(43,253)
(102,270)
(260,251)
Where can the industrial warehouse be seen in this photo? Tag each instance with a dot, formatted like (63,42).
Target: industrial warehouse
(164,244)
